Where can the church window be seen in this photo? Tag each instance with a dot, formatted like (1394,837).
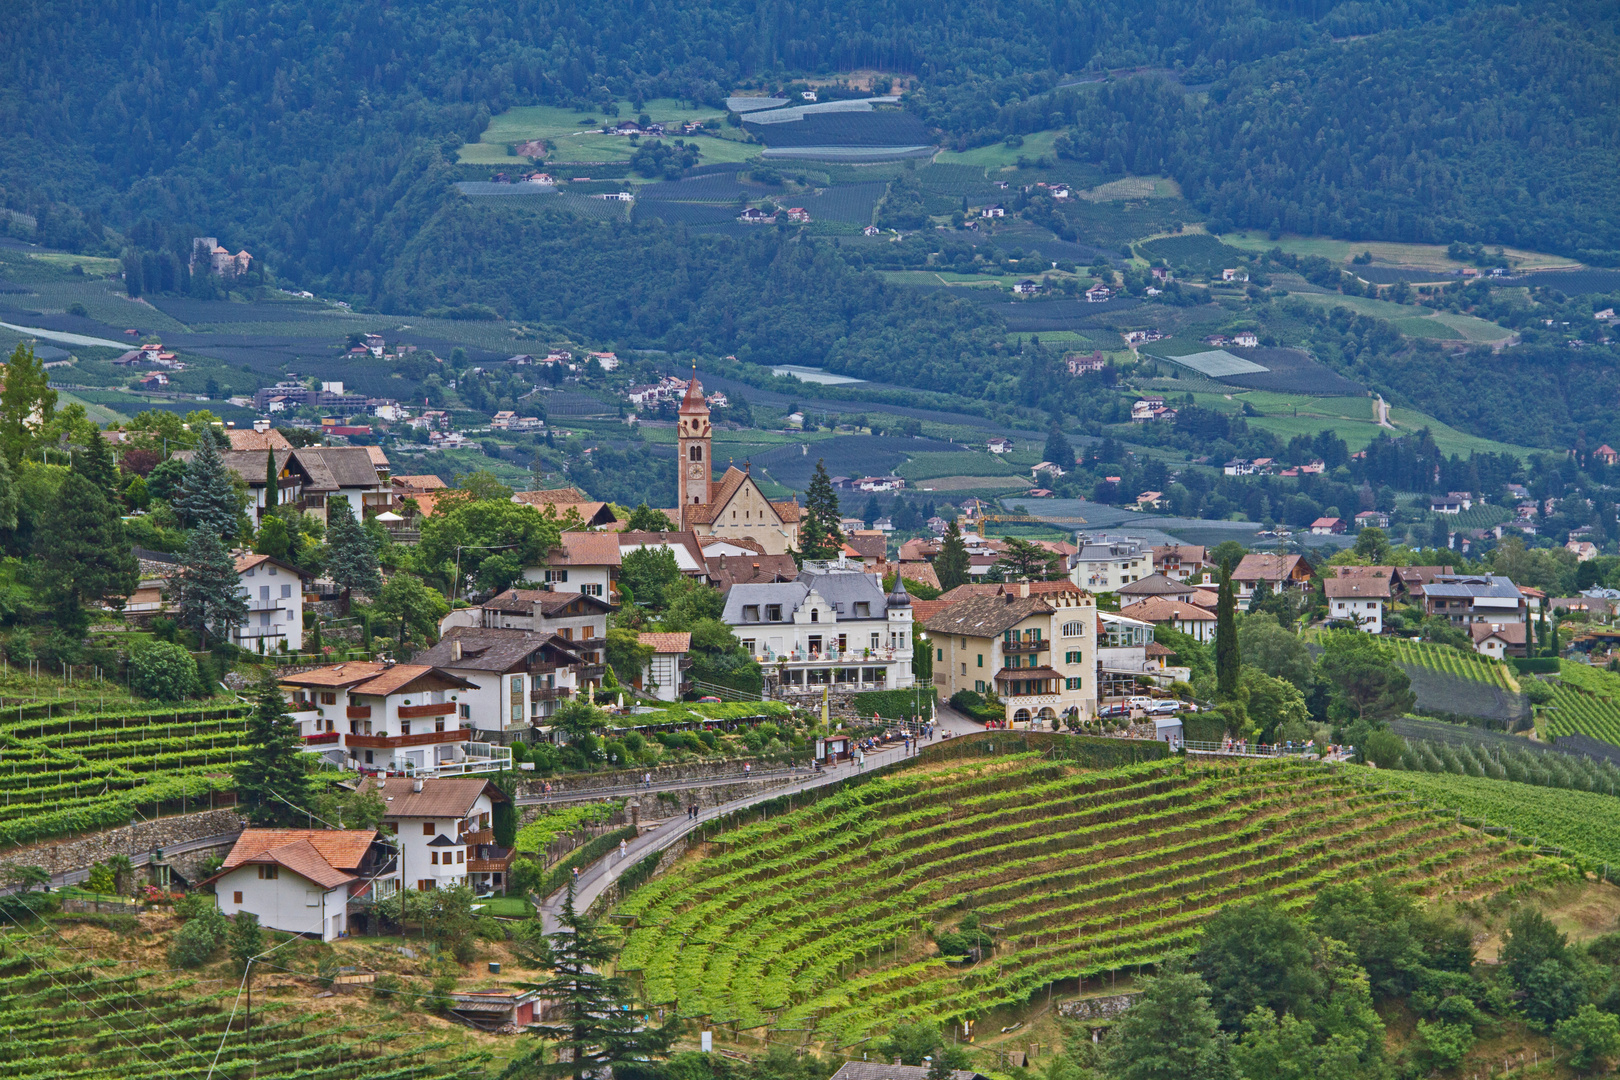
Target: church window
(694,453)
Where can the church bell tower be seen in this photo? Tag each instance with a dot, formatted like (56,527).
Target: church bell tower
(694,435)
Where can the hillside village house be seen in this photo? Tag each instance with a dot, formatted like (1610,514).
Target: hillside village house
(1187,618)
(1498,640)
(376,716)
(1453,502)
(1123,653)
(1474,598)
(1279,571)
(561,502)
(1327,526)
(310,476)
(833,626)
(275,602)
(1037,654)
(304,881)
(444,831)
(1359,599)
(583,562)
(1179,561)
(663,676)
(1103,565)
(517,677)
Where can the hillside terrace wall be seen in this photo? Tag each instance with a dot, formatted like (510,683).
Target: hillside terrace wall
(139,839)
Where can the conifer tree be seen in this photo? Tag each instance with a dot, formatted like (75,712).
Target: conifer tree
(207,498)
(95,462)
(274,762)
(819,534)
(593,1016)
(352,556)
(8,496)
(209,599)
(26,404)
(951,564)
(84,556)
(272,490)
(1057,449)
(1228,660)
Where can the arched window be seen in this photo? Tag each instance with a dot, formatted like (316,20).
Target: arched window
(1074,629)
(815,616)
(694,453)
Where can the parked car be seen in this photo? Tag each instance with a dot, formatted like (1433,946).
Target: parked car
(1114,711)
(1164,707)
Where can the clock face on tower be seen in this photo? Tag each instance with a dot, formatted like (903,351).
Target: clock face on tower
(695,470)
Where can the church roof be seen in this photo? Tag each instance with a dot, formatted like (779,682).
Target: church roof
(693,401)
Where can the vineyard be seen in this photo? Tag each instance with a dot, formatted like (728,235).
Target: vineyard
(817,920)
(1449,680)
(1581,822)
(66,1016)
(1524,766)
(82,771)
(1586,701)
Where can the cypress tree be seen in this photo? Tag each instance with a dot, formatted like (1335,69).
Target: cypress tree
(208,588)
(274,762)
(84,555)
(1227,658)
(352,557)
(207,498)
(951,564)
(272,490)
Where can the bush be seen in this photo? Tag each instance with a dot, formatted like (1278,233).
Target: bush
(163,671)
(194,945)
(895,704)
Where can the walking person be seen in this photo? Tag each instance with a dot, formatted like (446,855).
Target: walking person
(647,780)
(621,850)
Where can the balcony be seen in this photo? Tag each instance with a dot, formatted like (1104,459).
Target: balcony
(394,742)
(490,864)
(829,656)
(1025,646)
(324,738)
(416,712)
(359,712)
(592,671)
(478,836)
(550,693)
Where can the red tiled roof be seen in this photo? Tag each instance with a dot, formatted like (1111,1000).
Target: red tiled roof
(585,549)
(668,642)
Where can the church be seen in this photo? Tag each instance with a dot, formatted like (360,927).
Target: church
(732,506)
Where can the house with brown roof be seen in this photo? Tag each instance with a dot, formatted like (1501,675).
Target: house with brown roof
(868,547)
(351,473)
(562,502)
(583,562)
(1156,585)
(1035,652)
(248,439)
(750,568)
(518,677)
(1278,571)
(444,830)
(663,676)
(1359,599)
(275,601)
(1179,561)
(1498,640)
(691,551)
(379,716)
(1188,618)
(303,881)
(734,505)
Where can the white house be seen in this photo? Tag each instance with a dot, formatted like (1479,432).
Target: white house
(1122,654)
(518,677)
(301,881)
(664,674)
(378,716)
(444,831)
(1360,599)
(583,562)
(999,445)
(832,626)
(1103,565)
(275,600)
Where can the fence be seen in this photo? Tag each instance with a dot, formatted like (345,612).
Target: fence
(1243,749)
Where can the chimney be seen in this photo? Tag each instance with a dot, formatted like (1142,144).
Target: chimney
(1023,589)
(416,785)
(455,650)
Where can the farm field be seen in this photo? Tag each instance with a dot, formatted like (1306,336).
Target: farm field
(1450,680)
(1582,822)
(1390,253)
(74,772)
(1586,701)
(817,919)
(524,122)
(1508,758)
(150,1022)
(962,463)
(1000,155)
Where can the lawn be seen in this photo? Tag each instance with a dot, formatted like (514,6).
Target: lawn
(507,907)
(1133,187)
(1000,155)
(1342,251)
(549,122)
(988,486)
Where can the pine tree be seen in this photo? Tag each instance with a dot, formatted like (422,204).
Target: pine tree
(26,404)
(1227,658)
(819,534)
(84,556)
(594,1022)
(872,512)
(8,496)
(352,556)
(1057,449)
(95,462)
(272,489)
(274,764)
(208,588)
(951,564)
(207,498)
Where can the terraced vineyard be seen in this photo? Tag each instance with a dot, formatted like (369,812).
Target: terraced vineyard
(816,921)
(68,1017)
(81,771)
(1586,701)
(1452,681)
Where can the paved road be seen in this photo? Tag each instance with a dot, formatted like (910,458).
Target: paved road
(596,878)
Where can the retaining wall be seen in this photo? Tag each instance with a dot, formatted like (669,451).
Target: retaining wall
(138,839)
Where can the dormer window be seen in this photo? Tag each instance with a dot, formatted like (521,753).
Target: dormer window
(863,610)
(773,612)
(815,615)
(750,613)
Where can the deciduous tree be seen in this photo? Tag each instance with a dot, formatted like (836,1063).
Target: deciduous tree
(26,404)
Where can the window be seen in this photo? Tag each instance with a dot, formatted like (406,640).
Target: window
(328,697)
(876,640)
(272,571)
(424,884)
(750,613)
(749,645)
(264,592)
(1071,684)
(427,828)
(694,453)
(236,898)
(1072,657)
(939,655)
(978,686)
(591,590)
(773,612)
(555,577)
(517,698)
(286,592)
(981,660)
(269,873)
(815,614)
(435,858)
(964,669)
(461,856)
(466,712)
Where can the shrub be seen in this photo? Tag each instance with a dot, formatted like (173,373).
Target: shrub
(163,671)
(194,945)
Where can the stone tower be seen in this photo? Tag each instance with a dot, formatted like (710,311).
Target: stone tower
(694,435)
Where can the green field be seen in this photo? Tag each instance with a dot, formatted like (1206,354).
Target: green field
(817,919)
(1384,253)
(526,122)
(1584,822)
(1586,701)
(966,463)
(1000,155)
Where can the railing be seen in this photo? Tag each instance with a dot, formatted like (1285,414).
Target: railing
(393,742)
(1025,646)
(550,693)
(359,712)
(489,866)
(835,656)
(592,671)
(478,836)
(323,738)
(414,712)
(1241,748)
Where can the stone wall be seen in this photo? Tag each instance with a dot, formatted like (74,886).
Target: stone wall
(138,839)
(1097,1008)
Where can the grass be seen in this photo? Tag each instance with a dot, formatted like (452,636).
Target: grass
(968,462)
(1000,155)
(101,414)
(527,122)
(1419,255)
(1455,327)
(92,264)
(507,907)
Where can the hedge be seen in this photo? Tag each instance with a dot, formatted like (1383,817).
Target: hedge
(583,856)
(1535,665)
(894,704)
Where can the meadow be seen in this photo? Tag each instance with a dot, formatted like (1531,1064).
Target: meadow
(1428,256)
(564,126)
(1000,155)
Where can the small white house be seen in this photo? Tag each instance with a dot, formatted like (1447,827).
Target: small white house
(445,830)
(300,881)
(664,674)
(1360,600)
(275,601)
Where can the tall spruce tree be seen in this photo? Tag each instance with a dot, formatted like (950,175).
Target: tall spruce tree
(274,763)
(26,404)
(84,556)
(1228,660)
(352,553)
(951,564)
(819,534)
(207,498)
(1057,449)
(95,462)
(594,1018)
(8,496)
(207,591)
